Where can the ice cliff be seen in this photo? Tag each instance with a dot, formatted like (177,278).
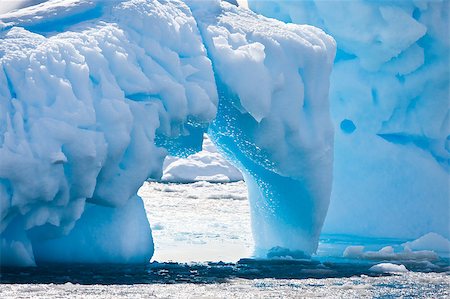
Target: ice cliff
(95,94)
(389,98)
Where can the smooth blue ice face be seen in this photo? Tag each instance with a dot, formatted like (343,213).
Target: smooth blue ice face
(102,235)
(389,97)
(285,212)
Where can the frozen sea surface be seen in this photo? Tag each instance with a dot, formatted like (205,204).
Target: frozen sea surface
(203,249)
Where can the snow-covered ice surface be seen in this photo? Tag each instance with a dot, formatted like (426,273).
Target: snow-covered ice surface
(209,218)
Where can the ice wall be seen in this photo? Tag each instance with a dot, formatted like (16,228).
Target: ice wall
(390,101)
(90,102)
(273,119)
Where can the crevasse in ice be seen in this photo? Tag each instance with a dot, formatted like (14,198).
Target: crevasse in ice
(389,98)
(94,95)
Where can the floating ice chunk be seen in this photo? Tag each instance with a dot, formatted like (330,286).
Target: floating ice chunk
(353,251)
(216,178)
(284,253)
(430,241)
(207,165)
(388,268)
(388,253)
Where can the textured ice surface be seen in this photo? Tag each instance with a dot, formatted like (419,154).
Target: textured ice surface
(282,143)
(87,94)
(389,98)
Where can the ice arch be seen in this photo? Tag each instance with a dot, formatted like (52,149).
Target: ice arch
(91,102)
(283,142)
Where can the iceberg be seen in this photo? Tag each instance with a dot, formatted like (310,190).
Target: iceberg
(388,268)
(92,101)
(389,97)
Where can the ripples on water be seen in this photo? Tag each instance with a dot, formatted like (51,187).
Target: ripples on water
(212,272)
(247,278)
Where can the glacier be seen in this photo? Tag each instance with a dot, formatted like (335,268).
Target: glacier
(389,100)
(92,101)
